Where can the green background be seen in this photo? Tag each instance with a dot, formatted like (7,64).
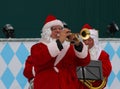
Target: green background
(28,16)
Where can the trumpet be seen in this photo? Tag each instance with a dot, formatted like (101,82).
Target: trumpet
(83,34)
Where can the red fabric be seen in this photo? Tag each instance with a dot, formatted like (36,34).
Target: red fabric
(106,68)
(87,26)
(28,69)
(46,77)
(50,18)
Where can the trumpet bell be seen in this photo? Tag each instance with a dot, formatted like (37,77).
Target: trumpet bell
(85,33)
(75,37)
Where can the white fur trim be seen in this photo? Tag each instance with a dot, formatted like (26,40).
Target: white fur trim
(53,49)
(56,69)
(95,52)
(93,33)
(66,46)
(94,36)
(33,71)
(84,52)
(52,23)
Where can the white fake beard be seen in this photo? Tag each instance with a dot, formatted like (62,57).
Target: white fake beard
(94,53)
(45,35)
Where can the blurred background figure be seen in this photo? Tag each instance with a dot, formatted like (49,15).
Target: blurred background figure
(112,28)
(8,31)
(97,54)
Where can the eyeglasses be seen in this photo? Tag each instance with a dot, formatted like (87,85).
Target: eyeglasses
(56,28)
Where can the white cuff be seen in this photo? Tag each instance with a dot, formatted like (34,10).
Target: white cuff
(84,52)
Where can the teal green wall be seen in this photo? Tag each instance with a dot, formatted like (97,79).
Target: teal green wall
(27,16)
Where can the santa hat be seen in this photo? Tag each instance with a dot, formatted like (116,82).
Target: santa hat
(46,30)
(95,51)
(51,21)
(93,32)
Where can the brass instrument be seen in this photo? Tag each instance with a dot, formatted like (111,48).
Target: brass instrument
(90,86)
(73,37)
(84,34)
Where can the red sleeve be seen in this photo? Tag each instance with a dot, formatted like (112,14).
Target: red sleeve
(40,54)
(106,64)
(85,61)
(28,73)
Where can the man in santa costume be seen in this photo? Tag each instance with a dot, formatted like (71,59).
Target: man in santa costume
(55,59)
(96,53)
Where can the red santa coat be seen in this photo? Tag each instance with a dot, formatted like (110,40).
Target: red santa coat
(49,75)
(106,68)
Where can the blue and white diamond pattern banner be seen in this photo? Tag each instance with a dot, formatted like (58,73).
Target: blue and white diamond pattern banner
(13,54)
(12,58)
(112,47)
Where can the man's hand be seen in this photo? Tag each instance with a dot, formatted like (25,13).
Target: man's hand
(64,34)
